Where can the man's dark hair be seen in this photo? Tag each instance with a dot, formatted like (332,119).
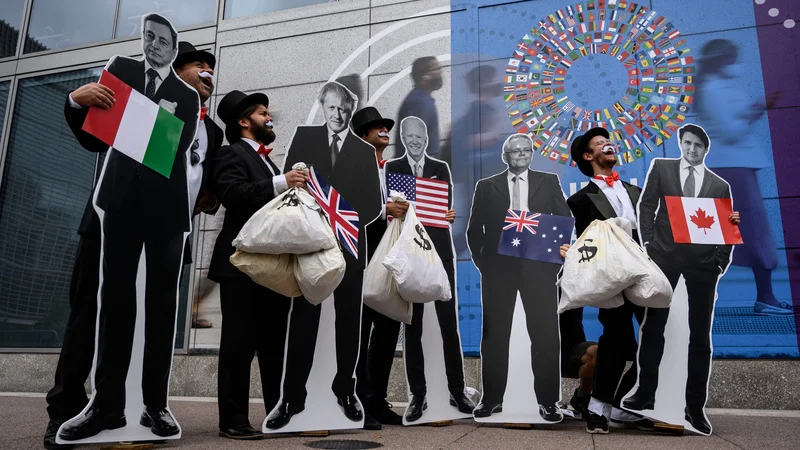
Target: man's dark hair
(420,67)
(247,112)
(157,18)
(695,130)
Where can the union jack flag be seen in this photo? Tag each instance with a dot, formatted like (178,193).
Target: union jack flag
(341,215)
(521,220)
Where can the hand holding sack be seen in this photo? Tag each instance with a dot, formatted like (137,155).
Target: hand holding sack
(275,272)
(415,265)
(380,290)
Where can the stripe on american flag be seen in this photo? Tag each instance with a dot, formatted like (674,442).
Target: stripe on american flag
(430,197)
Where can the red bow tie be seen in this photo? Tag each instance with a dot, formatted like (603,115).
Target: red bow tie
(382,163)
(609,179)
(264,151)
(203,112)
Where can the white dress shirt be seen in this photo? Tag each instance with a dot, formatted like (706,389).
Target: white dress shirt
(699,173)
(194,174)
(342,135)
(619,198)
(523,190)
(278,180)
(162,74)
(415,164)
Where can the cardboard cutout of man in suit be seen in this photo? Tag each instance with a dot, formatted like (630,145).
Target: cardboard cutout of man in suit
(348,163)
(416,162)
(139,209)
(700,265)
(504,277)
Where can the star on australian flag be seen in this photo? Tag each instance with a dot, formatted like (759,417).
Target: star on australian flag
(521,239)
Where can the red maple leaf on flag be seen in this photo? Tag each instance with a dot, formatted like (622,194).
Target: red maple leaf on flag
(702,220)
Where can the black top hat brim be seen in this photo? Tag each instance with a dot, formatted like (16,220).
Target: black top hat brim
(196,55)
(579,146)
(388,123)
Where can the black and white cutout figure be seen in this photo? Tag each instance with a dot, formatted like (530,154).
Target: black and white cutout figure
(146,217)
(516,291)
(674,207)
(432,345)
(323,340)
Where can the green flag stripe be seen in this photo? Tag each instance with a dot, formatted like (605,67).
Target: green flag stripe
(163,144)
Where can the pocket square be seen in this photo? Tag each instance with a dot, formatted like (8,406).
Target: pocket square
(169,106)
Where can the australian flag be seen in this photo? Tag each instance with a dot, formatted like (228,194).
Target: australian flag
(535,236)
(341,215)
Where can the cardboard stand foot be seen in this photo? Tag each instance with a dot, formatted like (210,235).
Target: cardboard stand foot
(661,427)
(441,423)
(318,433)
(519,426)
(129,446)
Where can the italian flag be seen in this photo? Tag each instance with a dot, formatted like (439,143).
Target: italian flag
(136,127)
(702,221)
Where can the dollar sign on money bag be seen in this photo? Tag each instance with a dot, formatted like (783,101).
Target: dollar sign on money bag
(425,244)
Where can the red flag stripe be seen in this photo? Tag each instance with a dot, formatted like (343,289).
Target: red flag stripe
(677,220)
(729,231)
(104,123)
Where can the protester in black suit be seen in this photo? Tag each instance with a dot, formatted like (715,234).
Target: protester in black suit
(349,165)
(379,334)
(415,162)
(503,276)
(607,196)
(700,264)
(142,209)
(254,317)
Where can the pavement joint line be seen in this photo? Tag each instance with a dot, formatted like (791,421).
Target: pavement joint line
(710,411)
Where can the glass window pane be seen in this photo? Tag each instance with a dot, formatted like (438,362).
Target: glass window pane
(241,8)
(44,189)
(181,13)
(67,23)
(10,24)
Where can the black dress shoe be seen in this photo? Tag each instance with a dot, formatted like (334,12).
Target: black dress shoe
(93,422)
(50,435)
(243,432)
(463,403)
(698,420)
(160,422)
(351,408)
(383,413)
(415,409)
(640,401)
(284,414)
(370,422)
(486,410)
(551,413)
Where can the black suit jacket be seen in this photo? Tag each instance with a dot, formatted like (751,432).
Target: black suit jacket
(491,202)
(590,204)
(438,170)
(126,183)
(663,179)
(355,175)
(243,183)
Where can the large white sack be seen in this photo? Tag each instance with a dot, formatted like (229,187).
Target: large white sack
(602,263)
(415,264)
(380,290)
(275,272)
(319,273)
(653,290)
(291,223)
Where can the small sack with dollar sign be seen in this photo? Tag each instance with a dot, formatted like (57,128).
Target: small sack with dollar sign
(415,264)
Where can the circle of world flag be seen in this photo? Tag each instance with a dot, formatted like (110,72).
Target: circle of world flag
(660,71)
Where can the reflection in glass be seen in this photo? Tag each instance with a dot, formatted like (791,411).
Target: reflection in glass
(10,24)
(44,189)
(181,13)
(67,23)
(241,8)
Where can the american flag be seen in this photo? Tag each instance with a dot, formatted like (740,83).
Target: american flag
(429,197)
(342,217)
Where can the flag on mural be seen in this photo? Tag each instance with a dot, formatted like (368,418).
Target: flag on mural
(136,127)
(535,236)
(342,217)
(702,221)
(429,197)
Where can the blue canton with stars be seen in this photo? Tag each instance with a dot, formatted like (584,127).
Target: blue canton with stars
(551,233)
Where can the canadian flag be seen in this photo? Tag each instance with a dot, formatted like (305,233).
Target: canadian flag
(702,221)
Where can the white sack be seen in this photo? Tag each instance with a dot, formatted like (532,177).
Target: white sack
(653,290)
(275,272)
(320,273)
(415,264)
(380,290)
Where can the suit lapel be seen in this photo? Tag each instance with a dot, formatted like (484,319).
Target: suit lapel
(501,185)
(633,193)
(253,154)
(675,174)
(534,183)
(600,201)
(429,170)
(706,183)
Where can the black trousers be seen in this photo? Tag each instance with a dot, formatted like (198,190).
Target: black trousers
(68,396)
(701,286)
(303,329)
(254,321)
(125,234)
(451,344)
(616,346)
(379,336)
(501,279)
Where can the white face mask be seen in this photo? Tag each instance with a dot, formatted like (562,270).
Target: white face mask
(733,71)
(268,124)
(205,74)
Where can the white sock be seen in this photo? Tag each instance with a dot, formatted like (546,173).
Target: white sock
(623,416)
(599,408)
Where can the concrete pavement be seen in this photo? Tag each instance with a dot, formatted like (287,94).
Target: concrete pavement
(23,419)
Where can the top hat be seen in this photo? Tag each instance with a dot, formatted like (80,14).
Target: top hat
(369,117)
(187,53)
(579,146)
(233,104)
